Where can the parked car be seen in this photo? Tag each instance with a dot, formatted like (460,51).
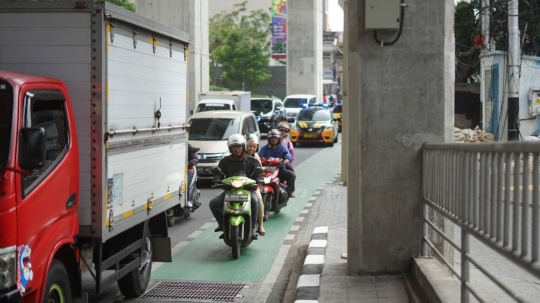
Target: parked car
(337,111)
(293,104)
(210,130)
(315,124)
(269,112)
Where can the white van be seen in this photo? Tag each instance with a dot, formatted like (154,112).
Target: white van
(293,104)
(210,131)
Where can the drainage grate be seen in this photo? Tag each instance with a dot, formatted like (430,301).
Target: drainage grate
(195,291)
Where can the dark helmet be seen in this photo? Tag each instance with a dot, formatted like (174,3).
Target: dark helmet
(274,133)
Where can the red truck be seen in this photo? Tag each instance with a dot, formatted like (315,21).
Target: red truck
(93,146)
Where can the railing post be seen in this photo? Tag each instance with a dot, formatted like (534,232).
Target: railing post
(464,266)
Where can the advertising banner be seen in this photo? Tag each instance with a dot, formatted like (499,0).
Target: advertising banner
(279,29)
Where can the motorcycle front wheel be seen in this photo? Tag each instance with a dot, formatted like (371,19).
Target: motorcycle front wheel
(267,200)
(235,245)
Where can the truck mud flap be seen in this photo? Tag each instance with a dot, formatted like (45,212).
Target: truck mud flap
(161,249)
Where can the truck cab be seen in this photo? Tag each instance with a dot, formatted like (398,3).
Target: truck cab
(39,184)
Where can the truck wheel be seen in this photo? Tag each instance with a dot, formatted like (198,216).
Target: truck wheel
(57,288)
(170,221)
(134,283)
(234,242)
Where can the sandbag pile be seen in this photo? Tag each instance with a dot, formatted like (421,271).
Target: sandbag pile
(468,135)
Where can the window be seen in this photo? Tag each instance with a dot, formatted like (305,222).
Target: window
(251,125)
(6,112)
(46,109)
(312,101)
(212,129)
(245,126)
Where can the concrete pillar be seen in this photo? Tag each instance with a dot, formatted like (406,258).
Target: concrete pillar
(190,16)
(304,47)
(398,97)
(344,90)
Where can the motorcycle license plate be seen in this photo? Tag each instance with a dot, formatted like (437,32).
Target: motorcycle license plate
(269,168)
(236,197)
(310,135)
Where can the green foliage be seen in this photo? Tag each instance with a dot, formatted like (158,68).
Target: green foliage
(124,3)
(218,88)
(239,44)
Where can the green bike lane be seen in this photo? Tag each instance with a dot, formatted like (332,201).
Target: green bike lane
(207,258)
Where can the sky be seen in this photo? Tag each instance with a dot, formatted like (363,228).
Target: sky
(335,16)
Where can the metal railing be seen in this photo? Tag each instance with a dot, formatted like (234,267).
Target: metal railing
(491,191)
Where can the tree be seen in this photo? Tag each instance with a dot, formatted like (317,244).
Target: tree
(124,3)
(239,44)
(468,32)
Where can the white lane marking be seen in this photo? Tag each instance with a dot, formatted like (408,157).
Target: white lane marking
(299,219)
(195,234)
(271,278)
(206,226)
(312,198)
(308,205)
(304,211)
(289,237)
(175,249)
(295,227)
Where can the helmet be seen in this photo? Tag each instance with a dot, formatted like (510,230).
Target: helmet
(285,125)
(252,138)
(236,139)
(274,133)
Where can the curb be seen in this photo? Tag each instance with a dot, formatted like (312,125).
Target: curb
(307,288)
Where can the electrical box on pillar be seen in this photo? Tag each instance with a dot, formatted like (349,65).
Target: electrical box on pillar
(382,14)
(534,99)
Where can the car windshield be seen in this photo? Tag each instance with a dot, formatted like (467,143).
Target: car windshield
(206,107)
(294,102)
(6,110)
(261,106)
(213,129)
(314,115)
(337,109)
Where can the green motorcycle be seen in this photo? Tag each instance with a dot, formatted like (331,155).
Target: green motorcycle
(237,230)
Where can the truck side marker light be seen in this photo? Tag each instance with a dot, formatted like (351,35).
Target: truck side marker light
(128,214)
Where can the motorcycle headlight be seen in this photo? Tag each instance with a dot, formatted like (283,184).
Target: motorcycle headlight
(8,272)
(238,183)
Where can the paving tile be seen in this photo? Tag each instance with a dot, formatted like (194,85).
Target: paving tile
(361,293)
(393,300)
(363,300)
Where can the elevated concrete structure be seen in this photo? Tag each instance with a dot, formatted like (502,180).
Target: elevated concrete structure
(190,16)
(398,97)
(304,47)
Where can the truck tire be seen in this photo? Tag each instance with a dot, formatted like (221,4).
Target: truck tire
(170,221)
(235,244)
(134,283)
(57,288)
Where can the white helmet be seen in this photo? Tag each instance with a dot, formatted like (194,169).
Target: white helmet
(236,139)
(252,138)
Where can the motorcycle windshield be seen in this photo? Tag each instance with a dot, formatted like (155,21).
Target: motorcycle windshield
(6,121)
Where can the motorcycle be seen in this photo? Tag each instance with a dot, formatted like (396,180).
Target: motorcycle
(191,203)
(273,192)
(237,231)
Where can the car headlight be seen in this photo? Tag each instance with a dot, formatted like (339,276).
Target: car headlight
(8,272)
(238,183)
(329,127)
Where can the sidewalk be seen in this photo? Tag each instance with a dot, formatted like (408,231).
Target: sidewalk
(328,208)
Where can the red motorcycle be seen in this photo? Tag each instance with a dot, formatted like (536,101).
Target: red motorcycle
(273,192)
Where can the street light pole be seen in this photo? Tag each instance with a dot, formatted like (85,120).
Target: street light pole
(513,66)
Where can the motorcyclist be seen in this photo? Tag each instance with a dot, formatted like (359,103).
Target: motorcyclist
(284,128)
(193,159)
(274,149)
(238,163)
(252,147)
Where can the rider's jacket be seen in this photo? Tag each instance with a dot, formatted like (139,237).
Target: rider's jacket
(231,167)
(277,152)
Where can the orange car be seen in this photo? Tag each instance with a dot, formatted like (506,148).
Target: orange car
(315,124)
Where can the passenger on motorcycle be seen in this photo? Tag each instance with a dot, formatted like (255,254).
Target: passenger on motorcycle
(274,149)
(238,163)
(193,159)
(252,148)
(284,128)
